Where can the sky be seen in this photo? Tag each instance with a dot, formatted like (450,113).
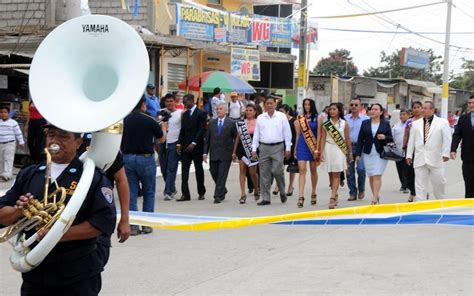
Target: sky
(366,47)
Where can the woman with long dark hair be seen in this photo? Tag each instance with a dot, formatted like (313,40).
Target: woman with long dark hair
(244,161)
(374,134)
(307,149)
(336,148)
(416,109)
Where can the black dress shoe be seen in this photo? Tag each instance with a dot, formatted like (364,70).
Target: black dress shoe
(183,198)
(283,198)
(250,191)
(263,203)
(217,200)
(201,197)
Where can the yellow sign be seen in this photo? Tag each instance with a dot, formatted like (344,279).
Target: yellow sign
(302,75)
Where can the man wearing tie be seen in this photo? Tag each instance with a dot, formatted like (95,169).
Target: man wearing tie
(464,131)
(220,143)
(430,141)
(190,146)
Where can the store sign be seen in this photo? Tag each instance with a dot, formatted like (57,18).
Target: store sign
(3,81)
(413,58)
(245,64)
(207,24)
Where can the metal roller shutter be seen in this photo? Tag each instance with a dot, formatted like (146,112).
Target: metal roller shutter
(176,74)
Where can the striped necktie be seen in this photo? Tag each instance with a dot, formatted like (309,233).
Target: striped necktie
(427,130)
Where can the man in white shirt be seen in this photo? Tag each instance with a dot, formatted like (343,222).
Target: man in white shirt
(216,100)
(9,133)
(272,137)
(167,152)
(398,132)
(235,107)
(428,148)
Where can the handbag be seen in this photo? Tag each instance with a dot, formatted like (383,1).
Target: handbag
(390,152)
(292,168)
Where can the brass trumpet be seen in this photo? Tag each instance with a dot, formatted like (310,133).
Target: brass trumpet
(40,215)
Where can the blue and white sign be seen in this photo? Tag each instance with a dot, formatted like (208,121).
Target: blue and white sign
(413,58)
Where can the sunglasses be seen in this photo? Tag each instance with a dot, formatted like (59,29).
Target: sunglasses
(354,105)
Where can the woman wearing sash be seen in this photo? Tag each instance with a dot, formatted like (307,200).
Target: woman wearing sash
(307,150)
(374,134)
(243,150)
(337,148)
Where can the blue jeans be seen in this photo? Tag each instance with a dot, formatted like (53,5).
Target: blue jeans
(141,169)
(351,176)
(169,166)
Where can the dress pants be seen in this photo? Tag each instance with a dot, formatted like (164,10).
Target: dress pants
(85,287)
(7,156)
(426,174)
(402,168)
(219,171)
(186,160)
(468,174)
(271,166)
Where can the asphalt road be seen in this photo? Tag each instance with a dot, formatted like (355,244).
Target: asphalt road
(288,260)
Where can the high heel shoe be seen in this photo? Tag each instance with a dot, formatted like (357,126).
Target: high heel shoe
(256,195)
(275,192)
(332,203)
(313,199)
(290,193)
(300,202)
(243,199)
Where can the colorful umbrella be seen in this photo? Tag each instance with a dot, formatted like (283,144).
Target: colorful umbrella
(212,79)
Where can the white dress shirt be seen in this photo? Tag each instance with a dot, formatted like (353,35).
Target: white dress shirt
(270,130)
(398,132)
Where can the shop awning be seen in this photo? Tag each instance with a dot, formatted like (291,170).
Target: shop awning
(428,85)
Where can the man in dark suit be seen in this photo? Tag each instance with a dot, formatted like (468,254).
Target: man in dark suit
(464,131)
(190,146)
(220,143)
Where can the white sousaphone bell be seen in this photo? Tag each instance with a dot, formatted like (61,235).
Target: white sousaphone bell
(86,76)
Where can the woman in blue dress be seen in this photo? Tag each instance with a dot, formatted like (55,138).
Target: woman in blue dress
(305,154)
(374,134)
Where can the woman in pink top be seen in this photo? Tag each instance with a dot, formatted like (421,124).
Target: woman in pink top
(239,153)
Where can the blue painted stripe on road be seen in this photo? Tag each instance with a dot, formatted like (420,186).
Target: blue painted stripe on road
(467,220)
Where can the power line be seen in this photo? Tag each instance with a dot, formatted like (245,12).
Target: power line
(390,32)
(394,23)
(376,12)
(463,12)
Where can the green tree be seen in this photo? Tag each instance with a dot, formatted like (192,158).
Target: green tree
(389,66)
(464,80)
(338,62)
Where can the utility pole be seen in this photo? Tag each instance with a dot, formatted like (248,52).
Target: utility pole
(302,56)
(445,95)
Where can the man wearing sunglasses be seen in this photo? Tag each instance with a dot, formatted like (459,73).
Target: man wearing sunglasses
(355,119)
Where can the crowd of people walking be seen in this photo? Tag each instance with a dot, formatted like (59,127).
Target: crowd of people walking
(263,136)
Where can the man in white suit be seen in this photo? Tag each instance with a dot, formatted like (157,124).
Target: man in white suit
(429,141)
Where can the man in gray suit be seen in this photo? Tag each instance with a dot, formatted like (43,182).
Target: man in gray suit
(220,143)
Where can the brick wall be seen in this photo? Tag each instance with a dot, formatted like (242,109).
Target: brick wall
(114,8)
(22,13)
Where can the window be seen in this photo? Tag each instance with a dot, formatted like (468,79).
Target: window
(218,2)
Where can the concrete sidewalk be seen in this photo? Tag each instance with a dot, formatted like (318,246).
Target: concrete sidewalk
(288,260)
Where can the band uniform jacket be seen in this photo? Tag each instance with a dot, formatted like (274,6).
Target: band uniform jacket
(437,145)
(219,147)
(464,133)
(193,129)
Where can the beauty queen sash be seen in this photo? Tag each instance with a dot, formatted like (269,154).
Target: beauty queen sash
(308,135)
(336,136)
(246,141)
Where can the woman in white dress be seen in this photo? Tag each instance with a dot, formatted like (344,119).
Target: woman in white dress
(333,155)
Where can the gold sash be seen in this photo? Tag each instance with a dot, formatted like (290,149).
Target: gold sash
(308,135)
(336,136)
